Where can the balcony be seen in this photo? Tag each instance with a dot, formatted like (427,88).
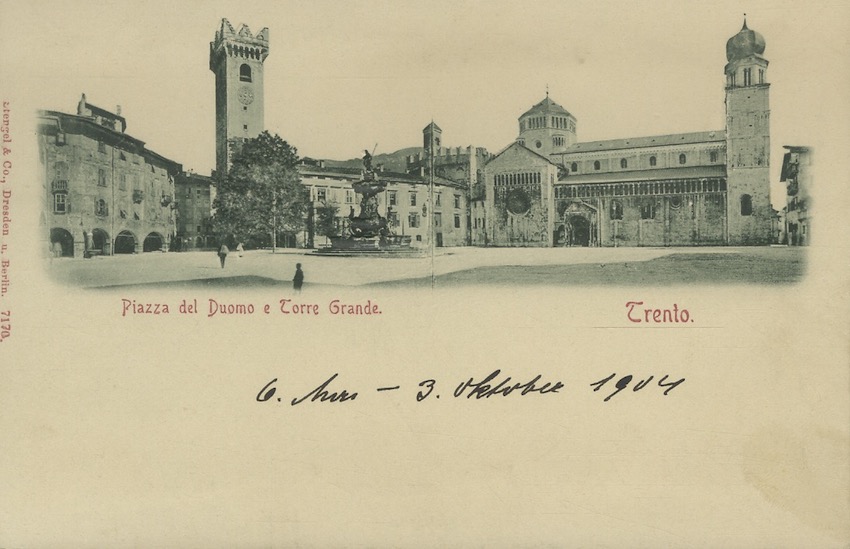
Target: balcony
(60,186)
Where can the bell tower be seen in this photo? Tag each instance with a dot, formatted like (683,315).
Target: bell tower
(748,210)
(236,58)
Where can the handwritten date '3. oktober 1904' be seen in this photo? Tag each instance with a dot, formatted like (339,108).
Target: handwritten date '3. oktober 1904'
(494,385)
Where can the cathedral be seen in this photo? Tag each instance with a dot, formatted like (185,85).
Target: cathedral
(547,188)
(692,189)
(106,192)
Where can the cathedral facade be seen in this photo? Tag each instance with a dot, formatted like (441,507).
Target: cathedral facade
(700,188)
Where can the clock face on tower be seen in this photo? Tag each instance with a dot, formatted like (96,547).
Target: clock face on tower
(246,96)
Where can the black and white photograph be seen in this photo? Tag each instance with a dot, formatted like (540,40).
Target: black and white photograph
(690,166)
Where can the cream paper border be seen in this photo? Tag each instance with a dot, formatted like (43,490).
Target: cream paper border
(144,431)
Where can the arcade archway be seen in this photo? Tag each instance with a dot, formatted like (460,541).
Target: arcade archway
(154,242)
(577,231)
(125,243)
(100,242)
(61,243)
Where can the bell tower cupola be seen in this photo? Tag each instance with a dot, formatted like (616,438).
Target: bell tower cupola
(748,209)
(547,128)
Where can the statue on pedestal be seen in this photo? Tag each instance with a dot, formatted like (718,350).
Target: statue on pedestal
(369,222)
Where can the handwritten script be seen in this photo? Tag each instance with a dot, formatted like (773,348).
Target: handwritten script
(496,384)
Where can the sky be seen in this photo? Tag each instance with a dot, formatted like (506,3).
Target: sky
(346,76)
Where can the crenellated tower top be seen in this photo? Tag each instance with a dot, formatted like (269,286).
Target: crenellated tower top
(232,43)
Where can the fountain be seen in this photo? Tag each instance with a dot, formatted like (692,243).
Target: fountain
(368,232)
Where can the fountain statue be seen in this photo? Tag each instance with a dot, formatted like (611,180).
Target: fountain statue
(368,231)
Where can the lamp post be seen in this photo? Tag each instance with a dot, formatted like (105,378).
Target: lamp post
(431,198)
(274,220)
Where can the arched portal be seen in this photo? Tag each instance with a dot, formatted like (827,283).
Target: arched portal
(100,242)
(61,243)
(125,243)
(578,231)
(154,242)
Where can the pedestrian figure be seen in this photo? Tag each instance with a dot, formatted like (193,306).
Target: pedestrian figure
(298,279)
(222,254)
(239,249)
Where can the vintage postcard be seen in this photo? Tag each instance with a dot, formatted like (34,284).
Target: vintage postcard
(424,274)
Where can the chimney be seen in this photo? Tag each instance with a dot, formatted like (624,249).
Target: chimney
(118,110)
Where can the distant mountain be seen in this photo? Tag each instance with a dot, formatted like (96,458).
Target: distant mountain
(392,162)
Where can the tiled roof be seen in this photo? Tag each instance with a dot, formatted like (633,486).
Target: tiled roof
(659,174)
(650,141)
(518,144)
(87,126)
(546,106)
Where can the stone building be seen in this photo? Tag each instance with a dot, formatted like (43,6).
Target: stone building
(797,174)
(691,189)
(194,195)
(104,191)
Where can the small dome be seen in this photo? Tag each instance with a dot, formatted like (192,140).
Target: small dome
(744,44)
(547,106)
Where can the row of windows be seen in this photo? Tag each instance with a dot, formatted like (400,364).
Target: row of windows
(198,192)
(653,161)
(748,77)
(526,178)
(533,123)
(102,179)
(648,207)
(101,147)
(538,122)
(392,198)
(437,200)
(101,208)
(642,188)
(414,220)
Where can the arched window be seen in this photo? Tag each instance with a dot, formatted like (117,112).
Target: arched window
(244,73)
(624,163)
(616,209)
(573,167)
(652,161)
(746,204)
(682,158)
(596,165)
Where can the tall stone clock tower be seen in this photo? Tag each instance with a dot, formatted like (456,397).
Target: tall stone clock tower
(236,58)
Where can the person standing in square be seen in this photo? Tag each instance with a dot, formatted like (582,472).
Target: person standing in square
(298,279)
